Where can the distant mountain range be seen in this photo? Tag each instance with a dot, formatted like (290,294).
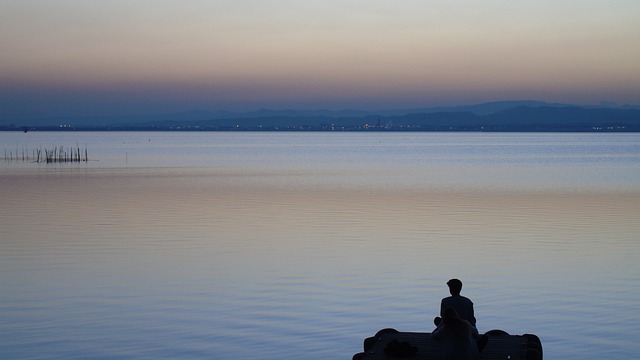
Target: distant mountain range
(493,116)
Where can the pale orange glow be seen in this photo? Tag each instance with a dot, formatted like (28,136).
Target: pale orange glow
(279,49)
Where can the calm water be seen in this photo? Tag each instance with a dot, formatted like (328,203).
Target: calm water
(300,245)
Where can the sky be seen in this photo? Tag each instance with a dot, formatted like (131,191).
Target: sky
(90,57)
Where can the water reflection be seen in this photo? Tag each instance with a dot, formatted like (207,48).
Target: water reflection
(199,262)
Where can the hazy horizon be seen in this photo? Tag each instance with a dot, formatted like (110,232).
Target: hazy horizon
(95,58)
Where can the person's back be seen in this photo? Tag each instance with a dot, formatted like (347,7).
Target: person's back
(462,305)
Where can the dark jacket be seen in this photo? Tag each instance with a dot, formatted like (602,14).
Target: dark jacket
(462,305)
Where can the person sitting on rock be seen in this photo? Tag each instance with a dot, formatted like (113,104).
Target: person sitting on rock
(462,305)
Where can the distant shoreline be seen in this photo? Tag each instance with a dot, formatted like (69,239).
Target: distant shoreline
(517,116)
(187,129)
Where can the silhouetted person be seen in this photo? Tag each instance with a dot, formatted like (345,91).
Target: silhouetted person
(458,338)
(462,305)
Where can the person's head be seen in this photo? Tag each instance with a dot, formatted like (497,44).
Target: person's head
(455,286)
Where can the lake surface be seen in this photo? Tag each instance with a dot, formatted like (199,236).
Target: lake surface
(300,245)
